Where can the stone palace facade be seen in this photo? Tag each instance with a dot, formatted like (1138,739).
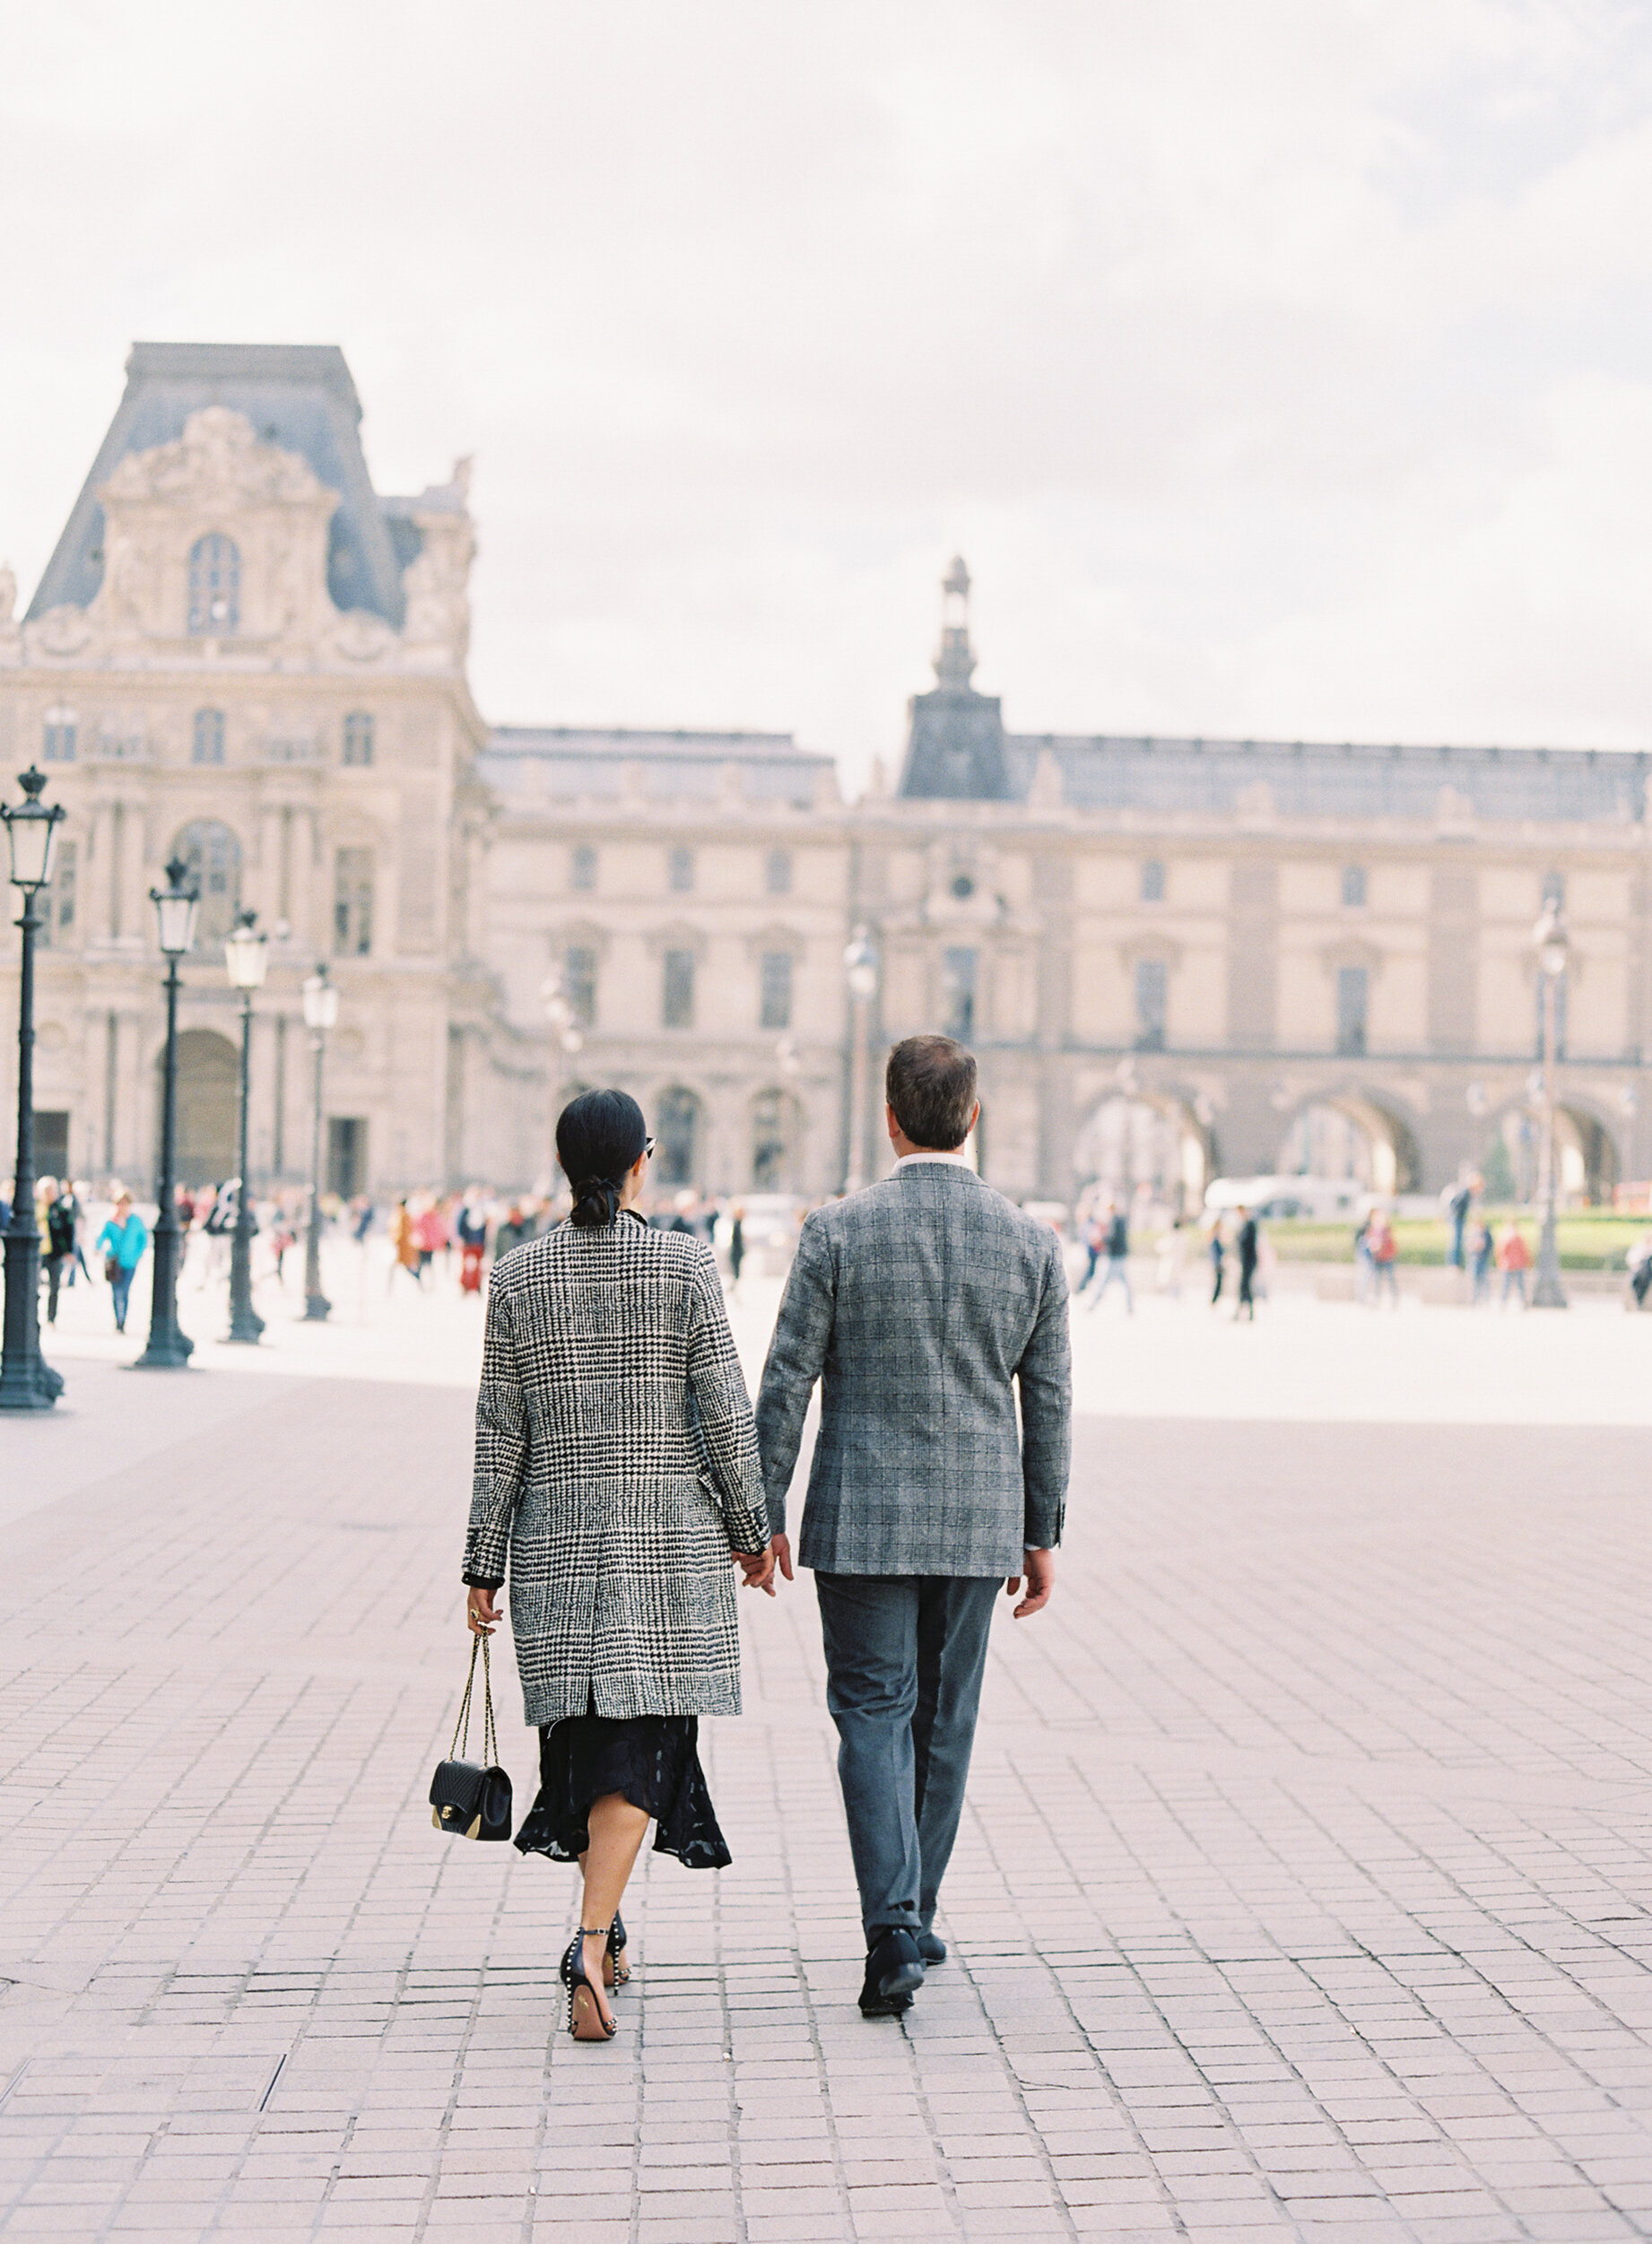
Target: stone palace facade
(1174,957)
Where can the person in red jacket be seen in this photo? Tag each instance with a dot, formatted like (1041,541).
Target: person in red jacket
(1514,1259)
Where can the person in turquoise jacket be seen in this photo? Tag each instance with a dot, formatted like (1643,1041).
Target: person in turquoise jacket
(121,1242)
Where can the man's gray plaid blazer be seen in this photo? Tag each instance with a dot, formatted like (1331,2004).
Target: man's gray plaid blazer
(920,1305)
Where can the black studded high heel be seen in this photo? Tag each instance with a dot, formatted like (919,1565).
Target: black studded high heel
(585,2011)
(615,1970)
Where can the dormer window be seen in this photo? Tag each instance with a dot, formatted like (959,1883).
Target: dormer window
(60,729)
(214,586)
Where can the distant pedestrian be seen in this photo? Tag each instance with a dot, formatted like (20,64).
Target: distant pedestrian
(121,1242)
(1094,1240)
(1514,1259)
(511,1232)
(61,1212)
(404,1241)
(1217,1255)
(471,1226)
(1115,1258)
(1481,1249)
(1172,1260)
(1364,1269)
(1456,1199)
(1247,1245)
(737,1246)
(1639,1263)
(1385,1258)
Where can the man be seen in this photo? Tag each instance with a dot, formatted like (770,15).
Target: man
(921,1304)
(62,1223)
(1115,1251)
(1455,1200)
(1249,1247)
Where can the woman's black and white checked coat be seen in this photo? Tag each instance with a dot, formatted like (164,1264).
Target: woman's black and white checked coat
(616,1468)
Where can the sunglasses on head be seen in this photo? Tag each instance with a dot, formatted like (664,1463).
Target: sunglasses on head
(648,1149)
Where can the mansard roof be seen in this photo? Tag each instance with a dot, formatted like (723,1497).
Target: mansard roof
(1314,780)
(525,764)
(298,396)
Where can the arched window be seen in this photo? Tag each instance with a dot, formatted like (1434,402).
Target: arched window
(207,740)
(774,1141)
(213,855)
(676,1130)
(214,585)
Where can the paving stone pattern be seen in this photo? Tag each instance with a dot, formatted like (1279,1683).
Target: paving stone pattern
(1303,1890)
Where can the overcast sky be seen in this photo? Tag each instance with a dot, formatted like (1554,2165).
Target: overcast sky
(1281,367)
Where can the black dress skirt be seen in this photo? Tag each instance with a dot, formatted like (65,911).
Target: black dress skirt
(653,1759)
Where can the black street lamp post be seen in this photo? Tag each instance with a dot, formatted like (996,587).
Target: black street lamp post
(244,955)
(1552,946)
(320,1015)
(169,1349)
(27,1381)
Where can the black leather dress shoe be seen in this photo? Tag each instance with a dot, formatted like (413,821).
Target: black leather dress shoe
(894,1973)
(931,1947)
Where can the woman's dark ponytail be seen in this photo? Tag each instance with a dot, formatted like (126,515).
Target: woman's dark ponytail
(599,1137)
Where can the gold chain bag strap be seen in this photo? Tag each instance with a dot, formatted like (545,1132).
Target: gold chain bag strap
(471,1799)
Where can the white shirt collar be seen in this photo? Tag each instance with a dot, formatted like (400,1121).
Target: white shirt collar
(907,1160)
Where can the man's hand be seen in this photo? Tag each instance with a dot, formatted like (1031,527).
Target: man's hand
(758,1566)
(1041,1583)
(781,1548)
(483,1615)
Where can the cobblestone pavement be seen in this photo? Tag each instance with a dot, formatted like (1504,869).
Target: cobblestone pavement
(1303,1890)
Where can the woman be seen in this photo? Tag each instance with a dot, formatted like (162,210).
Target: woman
(121,1242)
(617,1469)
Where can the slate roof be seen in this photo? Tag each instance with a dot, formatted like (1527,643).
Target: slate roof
(299,396)
(529,764)
(957,749)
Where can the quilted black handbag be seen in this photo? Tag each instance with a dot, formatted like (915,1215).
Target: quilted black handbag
(467,1799)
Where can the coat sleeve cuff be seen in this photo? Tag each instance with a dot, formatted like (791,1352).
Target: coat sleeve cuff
(482,1581)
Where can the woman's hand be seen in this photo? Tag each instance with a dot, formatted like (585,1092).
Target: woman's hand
(758,1566)
(484,1616)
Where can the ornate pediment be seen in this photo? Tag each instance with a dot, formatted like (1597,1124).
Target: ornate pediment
(218,461)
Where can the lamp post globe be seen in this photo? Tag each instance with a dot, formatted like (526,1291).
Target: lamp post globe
(320,1015)
(860,971)
(245,958)
(1553,947)
(167,1348)
(27,1381)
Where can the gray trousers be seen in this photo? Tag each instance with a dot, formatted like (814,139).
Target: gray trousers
(905,1654)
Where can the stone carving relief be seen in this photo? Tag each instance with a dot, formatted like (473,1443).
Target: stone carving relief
(437,583)
(218,477)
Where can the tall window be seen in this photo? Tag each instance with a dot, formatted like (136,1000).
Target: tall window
(776,990)
(1354,885)
(213,856)
(778,872)
(214,585)
(580,982)
(207,740)
(1352,991)
(959,973)
(353,904)
(582,866)
(57,905)
(676,1158)
(58,743)
(771,1141)
(1152,981)
(677,990)
(1152,881)
(680,870)
(359,737)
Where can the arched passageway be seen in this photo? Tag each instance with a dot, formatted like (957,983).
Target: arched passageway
(1351,1134)
(208,1088)
(1133,1139)
(1511,1157)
